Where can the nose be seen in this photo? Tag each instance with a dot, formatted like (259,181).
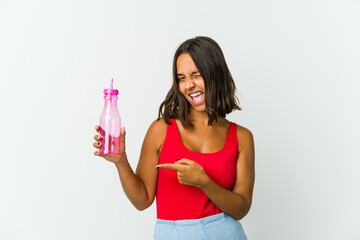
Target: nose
(189,83)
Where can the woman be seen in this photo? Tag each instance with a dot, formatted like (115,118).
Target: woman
(199,165)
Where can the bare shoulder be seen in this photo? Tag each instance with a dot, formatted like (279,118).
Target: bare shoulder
(245,137)
(157,132)
(158,127)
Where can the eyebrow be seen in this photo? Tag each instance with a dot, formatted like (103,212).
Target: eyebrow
(184,75)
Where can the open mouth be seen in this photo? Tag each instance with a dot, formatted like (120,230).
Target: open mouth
(197,98)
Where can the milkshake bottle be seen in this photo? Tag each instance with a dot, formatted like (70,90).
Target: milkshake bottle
(110,123)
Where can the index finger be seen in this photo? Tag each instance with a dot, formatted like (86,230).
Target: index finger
(168,166)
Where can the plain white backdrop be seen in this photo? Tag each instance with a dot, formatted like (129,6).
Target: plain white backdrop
(296,65)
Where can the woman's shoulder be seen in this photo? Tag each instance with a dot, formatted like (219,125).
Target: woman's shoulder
(244,136)
(156,133)
(158,126)
(242,130)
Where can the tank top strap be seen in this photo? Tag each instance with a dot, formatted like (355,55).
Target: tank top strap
(172,126)
(173,132)
(233,133)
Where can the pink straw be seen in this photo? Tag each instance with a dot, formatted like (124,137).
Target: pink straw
(112,80)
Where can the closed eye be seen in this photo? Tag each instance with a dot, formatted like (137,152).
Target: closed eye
(181,78)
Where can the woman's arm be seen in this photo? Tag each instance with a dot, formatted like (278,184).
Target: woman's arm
(236,202)
(140,187)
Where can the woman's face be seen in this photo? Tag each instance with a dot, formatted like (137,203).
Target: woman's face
(191,83)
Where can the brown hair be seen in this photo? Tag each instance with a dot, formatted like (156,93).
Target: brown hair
(220,88)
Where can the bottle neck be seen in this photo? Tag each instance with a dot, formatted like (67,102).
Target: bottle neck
(111,99)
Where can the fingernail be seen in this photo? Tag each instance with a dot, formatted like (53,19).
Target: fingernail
(178,159)
(99,143)
(157,167)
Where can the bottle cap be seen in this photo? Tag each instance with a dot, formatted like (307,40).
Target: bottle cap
(110,90)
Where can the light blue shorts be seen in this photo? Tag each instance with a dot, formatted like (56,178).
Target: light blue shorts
(217,227)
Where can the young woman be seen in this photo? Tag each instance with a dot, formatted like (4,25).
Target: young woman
(199,165)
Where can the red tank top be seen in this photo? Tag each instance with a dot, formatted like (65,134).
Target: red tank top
(175,201)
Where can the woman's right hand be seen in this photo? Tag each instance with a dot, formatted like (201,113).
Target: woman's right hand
(112,158)
(139,186)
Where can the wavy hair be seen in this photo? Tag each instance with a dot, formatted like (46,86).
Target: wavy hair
(220,87)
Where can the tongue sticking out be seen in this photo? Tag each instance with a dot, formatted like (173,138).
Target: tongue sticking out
(198,99)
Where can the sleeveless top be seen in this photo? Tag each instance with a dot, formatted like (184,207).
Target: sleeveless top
(176,201)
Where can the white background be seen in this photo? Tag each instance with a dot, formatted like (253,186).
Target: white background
(296,65)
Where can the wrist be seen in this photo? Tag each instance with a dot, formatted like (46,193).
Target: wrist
(205,183)
(121,160)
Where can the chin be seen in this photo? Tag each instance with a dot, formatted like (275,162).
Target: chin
(200,108)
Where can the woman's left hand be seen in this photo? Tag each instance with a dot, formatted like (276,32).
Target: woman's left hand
(188,172)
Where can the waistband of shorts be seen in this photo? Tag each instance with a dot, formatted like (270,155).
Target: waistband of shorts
(186,222)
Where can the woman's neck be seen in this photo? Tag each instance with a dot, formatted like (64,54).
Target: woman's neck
(198,117)
(201,118)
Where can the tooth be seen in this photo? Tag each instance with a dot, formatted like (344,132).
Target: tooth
(195,94)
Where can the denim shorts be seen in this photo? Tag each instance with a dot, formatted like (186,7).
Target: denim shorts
(216,227)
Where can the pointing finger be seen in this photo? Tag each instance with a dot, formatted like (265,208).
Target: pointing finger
(168,166)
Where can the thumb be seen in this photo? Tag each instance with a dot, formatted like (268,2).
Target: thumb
(122,140)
